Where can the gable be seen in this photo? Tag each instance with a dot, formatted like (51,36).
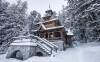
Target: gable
(41,27)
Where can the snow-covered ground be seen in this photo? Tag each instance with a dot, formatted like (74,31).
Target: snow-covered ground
(84,53)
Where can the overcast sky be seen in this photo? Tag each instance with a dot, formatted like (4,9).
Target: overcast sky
(42,5)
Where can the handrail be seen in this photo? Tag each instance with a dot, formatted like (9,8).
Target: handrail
(47,42)
(43,46)
(39,44)
(54,46)
(50,43)
(40,41)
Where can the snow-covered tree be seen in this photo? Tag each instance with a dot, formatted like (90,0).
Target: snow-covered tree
(3,19)
(34,18)
(12,21)
(83,17)
(18,16)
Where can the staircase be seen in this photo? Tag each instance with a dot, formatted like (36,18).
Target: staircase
(46,46)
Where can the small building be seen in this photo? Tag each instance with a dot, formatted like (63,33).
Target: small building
(21,49)
(52,30)
(27,46)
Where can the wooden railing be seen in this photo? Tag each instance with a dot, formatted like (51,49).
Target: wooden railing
(54,47)
(46,42)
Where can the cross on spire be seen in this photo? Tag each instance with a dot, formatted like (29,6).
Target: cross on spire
(49,6)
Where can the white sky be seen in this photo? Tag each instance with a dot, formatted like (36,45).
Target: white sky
(42,5)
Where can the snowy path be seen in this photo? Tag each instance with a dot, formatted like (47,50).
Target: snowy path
(85,53)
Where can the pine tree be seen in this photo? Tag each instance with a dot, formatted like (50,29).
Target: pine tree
(34,18)
(3,18)
(18,18)
(12,21)
(83,17)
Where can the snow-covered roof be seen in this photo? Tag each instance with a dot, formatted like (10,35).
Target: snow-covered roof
(53,19)
(43,26)
(55,27)
(47,21)
(24,42)
(26,37)
(21,37)
(34,30)
(51,28)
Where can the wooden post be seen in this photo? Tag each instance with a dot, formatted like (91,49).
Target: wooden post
(48,36)
(62,37)
(52,36)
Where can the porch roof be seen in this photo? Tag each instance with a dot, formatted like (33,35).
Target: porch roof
(51,28)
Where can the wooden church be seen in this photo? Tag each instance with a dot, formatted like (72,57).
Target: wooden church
(49,37)
(51,29)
